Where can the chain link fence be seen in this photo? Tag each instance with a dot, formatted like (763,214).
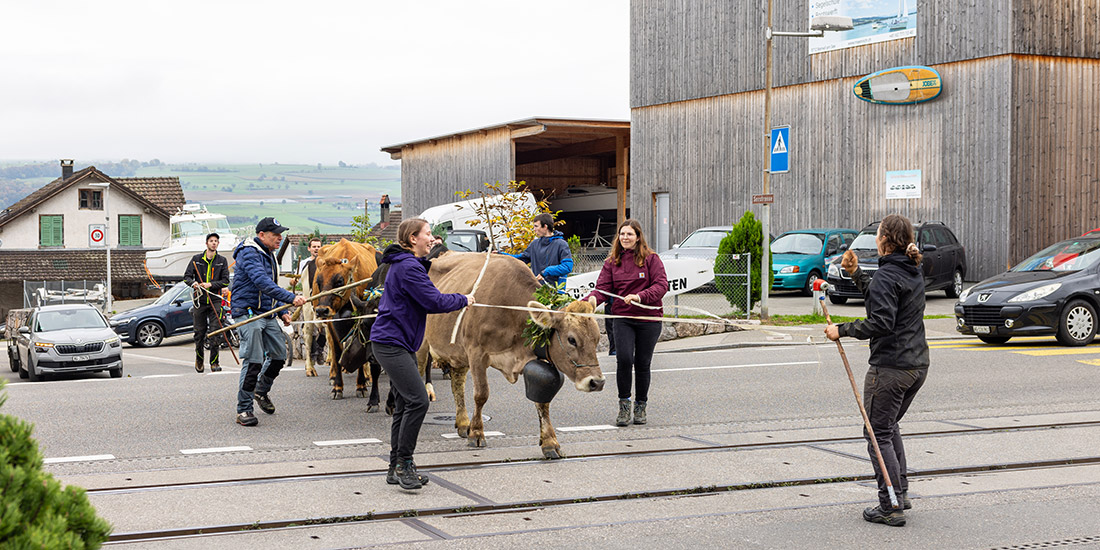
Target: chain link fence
(726,295)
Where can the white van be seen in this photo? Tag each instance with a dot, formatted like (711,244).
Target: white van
(457,215)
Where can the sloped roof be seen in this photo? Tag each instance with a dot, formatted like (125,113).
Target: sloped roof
(159,188)
(389,232)
(164,192)
(73,264)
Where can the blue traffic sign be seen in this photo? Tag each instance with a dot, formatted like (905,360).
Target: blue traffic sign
(780,150)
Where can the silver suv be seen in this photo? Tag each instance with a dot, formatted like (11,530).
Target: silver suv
(66,338)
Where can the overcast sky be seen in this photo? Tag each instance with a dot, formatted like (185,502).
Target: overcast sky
(296,81)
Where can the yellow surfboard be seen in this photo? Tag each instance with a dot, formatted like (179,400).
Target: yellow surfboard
(900,85)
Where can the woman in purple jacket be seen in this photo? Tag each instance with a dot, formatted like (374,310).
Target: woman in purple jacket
(398,331)
(634,272)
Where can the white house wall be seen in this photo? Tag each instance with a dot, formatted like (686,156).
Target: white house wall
(22,233)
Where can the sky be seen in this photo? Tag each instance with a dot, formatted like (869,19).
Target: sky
(296,81)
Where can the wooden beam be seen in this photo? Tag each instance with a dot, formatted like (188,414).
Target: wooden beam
(526,132)
(620,179)
(581,149)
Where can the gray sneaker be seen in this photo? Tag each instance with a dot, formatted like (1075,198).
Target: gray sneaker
(247,419)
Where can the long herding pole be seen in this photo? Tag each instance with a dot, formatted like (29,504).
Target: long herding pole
(863,411)
(282,307)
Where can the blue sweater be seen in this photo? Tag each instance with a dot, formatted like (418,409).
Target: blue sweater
(254,280)
(549,257)
(407,298)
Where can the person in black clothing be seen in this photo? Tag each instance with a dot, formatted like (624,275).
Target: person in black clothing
(894,299)
(207,273)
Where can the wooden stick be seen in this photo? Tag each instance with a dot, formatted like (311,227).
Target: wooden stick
(282,307)
(863,411)
(216,316)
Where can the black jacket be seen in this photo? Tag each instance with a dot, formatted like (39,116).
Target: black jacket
(218,270)
(894,299)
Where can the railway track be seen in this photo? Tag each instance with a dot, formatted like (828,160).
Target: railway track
(435,470)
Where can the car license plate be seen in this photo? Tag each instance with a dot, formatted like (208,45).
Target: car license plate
(80,358)
(981,330)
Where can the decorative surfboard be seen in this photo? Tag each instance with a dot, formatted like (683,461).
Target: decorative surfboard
(683,274)
(900,85)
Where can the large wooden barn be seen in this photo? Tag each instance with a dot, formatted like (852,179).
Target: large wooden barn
(1009,153)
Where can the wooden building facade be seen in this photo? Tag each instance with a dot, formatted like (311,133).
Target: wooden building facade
(1009,153)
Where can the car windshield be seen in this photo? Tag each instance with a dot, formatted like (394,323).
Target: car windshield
(865,241)
(69,318)
(462,242)
(173,294)
(1072,255)
(797,243)
(704,239)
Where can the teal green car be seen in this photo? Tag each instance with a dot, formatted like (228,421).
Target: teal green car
(799,257)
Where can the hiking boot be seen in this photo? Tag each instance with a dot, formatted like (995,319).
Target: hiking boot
(198,364)
(903,499)
(391,476)
(624,413)
(893,518)
(214,367)
(407,477)
(639,412)
(247,419)
(264,402)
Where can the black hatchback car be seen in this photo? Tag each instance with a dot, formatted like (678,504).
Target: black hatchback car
(1056,291)
(944,261)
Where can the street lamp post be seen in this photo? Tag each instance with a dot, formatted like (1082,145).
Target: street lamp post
(106,186)
(818,26)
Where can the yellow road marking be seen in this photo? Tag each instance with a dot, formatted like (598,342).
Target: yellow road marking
(1094,362)
(1014,339)
(1035,348)
(1091,350)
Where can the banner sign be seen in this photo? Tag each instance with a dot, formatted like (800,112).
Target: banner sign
(903,184)
(874,21)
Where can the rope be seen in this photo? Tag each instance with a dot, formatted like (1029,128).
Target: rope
(461,314)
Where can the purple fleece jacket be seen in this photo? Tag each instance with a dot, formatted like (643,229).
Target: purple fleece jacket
(407,299)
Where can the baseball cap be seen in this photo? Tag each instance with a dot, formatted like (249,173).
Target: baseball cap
(270,224)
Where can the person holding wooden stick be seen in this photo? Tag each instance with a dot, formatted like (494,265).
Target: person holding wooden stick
(894,299)
(207,274)
(398,332)
(255,291)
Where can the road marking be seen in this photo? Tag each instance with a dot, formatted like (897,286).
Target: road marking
(346,442)
(797,363)
(161,359)
(162,376)
(456,436)
(61,459)
(975,340)
(1018,349)
(586,428)
(1091,350)
(1093,362)
(214,450)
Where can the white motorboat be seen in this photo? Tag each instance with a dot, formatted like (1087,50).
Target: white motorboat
(190,226)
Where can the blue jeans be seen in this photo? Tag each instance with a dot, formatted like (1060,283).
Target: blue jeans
(263,352)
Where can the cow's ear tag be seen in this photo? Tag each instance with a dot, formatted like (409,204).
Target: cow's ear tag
(343,260)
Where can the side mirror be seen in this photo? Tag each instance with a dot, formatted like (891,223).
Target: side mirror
(177,303)
(929,248)
(24,330)
(843,247)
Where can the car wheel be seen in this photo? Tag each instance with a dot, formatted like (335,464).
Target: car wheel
(32,375)
(994,339)
(1078,324)
(956,287)
(838,299)
(149,334)
(116,373)
(808,290)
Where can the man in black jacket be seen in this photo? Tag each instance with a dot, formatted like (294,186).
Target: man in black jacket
(894,299)
(207,273)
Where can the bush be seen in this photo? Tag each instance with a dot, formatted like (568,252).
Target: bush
(746,237)
(35,512)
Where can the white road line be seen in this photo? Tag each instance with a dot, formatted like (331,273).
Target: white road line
(455,436)
(162,376)
(346,442)
(720,367)
(155,358)
(61,459)
(586,428)
(214,450)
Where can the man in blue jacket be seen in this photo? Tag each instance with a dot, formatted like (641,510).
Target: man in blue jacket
(255,292)
(549,254)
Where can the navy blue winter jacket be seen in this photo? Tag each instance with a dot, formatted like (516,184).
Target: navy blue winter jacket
(254,277)
(407,299)
(549,257)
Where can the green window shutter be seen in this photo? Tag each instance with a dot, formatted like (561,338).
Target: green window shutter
(50,231)
(129,230)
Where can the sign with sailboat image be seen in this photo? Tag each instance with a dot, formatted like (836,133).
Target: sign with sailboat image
(872,21)
(900,85)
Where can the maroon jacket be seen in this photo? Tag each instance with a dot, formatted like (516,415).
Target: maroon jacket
(648,282)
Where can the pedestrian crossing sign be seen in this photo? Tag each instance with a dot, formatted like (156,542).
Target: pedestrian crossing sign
(780,150)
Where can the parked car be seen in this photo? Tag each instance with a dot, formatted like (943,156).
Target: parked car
(149,325)
(701,243)
(799,257)
(1056,291)
(467,240)
(66,338)
(944,262)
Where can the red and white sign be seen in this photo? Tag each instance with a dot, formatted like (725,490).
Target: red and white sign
(97,234)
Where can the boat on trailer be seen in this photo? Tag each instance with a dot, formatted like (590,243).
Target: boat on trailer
(190,226)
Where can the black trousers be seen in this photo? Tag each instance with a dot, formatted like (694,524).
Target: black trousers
(206,319)
(887,394)
(634,343)
(609,326)
(411,399)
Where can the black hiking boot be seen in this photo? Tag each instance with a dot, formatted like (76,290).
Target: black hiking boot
(264,402)
(198,364)
(247,419)
(214,367)
(639,412)
(407,477)
(624,413)
(391,476)
(893,518)
(903,499)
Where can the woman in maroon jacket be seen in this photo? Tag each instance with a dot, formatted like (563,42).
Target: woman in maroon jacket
(636,274)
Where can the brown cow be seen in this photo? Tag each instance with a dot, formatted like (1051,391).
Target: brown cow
(337,265)
(493,338)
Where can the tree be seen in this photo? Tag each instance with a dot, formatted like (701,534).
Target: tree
(36,512)
(746,237)
(343,165)
(507,214)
